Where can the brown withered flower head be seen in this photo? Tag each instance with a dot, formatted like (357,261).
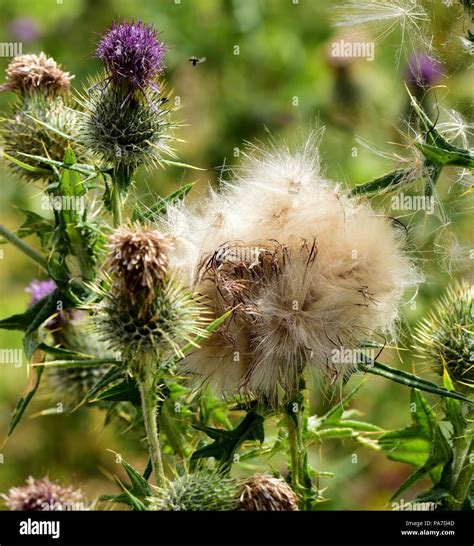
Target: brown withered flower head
(42,495)
(267,494)
(137,261)
(29,72)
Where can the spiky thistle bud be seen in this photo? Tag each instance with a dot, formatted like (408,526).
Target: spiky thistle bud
(127,120)
(201,491)
(266,493)
(43,495)
(42,119)
(445,337)
(30,73)
(145,312)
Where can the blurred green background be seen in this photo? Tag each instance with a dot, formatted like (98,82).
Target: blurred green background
(267,69)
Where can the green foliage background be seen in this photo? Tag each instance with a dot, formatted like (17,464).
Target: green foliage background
(281,81)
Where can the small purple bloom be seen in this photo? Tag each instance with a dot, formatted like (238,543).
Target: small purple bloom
(423,71)
(131,53)
(24,29)
(40,289)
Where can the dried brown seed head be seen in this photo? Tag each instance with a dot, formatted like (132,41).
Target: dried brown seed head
(265,493)
(29,72)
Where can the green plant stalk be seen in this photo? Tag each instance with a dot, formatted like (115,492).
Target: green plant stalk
(147,386)
(117,205)
(464,478)
(296,422)
(175,439)
(121,182)
(26,249)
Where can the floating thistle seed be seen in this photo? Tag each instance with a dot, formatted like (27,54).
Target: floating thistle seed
(146,312)
(43,495)
(201,491)
(265,493)
(307,271)
(131,54)
(445,337)
(31,73)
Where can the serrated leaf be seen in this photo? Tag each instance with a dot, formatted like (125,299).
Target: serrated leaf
(125,391)
(227,442)
(386,182)
(134,494)
(24,402)
(440,453)
(25,166)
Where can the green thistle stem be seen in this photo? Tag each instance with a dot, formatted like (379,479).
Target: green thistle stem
(121,181)
(26,249)
(147,386)
(296,421)
(463,480)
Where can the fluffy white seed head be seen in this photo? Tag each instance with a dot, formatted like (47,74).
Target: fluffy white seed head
(307,271)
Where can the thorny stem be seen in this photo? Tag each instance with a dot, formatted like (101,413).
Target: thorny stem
(295,416)
(147,386)
(26,249)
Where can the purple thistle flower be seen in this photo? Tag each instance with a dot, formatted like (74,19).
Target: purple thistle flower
(24,29)
(423,71)
(131,53)
(39,290)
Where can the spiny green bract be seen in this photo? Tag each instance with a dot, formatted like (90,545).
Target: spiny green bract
(202,491)
(445,337)
(69,385)
(171,319)
(40,125)
(125,128)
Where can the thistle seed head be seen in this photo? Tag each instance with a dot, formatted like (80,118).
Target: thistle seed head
(138,262)
(201,491)
(38,125)
(43,495)
(131,53)
(445,337)
(309,273)
(27,73)
(265,493)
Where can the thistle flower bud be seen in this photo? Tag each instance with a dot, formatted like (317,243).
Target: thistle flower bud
(145,312)
(445,337)
(131,53)
(127,120)
(265,493)
(38,125)
(138,261)
(27,73)
(201,491)
(43,495)
(41,289)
